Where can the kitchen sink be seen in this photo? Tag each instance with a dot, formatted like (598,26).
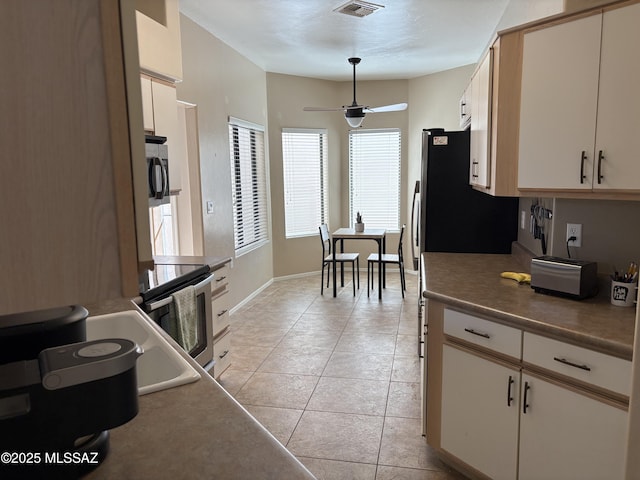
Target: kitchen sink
(160,366)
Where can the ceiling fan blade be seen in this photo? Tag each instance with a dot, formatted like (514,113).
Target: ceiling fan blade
(323,109)
(397,107)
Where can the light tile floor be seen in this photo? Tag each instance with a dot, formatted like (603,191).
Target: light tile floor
(336,380)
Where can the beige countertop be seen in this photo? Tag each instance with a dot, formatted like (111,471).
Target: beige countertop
(193,431)
(213,262)
(473,282)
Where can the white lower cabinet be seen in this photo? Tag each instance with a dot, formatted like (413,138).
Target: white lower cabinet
(480,412)
(528,407)
(221,354)
(569,435)
(221,321)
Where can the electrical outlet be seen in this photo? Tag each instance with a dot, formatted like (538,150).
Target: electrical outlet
(574,230)
(523,219)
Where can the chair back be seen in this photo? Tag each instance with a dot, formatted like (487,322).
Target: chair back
(400,242)
(324,237)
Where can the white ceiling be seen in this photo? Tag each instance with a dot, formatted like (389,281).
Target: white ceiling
(405,39)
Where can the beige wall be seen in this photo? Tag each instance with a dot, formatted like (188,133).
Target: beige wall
(223,83)
(286,96)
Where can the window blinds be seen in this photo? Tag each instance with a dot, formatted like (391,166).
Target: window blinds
(248,185)
(304,165)
(374,177)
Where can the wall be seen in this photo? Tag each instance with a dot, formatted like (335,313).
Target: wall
(609,232)
(223,83)
(287,95)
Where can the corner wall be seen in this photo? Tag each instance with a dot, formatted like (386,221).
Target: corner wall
(223,83)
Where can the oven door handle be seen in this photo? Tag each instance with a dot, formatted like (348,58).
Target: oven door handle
(167,300)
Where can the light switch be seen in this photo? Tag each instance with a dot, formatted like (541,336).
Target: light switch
(209,206)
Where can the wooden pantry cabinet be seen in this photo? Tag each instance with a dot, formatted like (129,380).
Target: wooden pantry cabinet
(579,102)
(74,224)
(503,403)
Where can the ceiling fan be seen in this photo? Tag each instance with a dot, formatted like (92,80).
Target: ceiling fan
(354,113)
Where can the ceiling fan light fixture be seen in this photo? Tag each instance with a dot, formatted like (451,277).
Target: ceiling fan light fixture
(354,122)
(354,117)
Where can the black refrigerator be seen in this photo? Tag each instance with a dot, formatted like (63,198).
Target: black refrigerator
(448,215)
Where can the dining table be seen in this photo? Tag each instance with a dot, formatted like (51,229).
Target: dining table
(376,234)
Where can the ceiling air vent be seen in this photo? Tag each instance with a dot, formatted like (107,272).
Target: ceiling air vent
(358,8)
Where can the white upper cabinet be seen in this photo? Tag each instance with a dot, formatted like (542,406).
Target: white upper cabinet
(617,134)
(147,104)
(464,111)
(578,102)
(559,105)
(480,166)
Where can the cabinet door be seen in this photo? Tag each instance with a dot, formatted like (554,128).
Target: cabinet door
(619,101)
(464,111)
(564,434)
(558,105)
(147,104)
(479,417)
(165,119)
(479,172)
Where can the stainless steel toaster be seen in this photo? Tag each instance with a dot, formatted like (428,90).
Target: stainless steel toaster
(564,276)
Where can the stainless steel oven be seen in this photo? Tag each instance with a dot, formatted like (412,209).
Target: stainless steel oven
(157,290)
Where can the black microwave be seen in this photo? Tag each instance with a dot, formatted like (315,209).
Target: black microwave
(157,169)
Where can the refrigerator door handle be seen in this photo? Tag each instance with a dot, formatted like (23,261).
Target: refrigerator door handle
(415,227)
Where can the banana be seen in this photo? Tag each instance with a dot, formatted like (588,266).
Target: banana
(518,277)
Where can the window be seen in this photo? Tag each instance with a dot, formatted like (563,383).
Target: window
(374,177)
(248,185)
(304,165)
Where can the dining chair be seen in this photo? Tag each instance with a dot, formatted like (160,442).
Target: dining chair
(388,258)
(342,258)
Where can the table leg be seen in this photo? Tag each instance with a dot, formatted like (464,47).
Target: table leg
(342,263)
(334,266)
(380,267)
(384,266)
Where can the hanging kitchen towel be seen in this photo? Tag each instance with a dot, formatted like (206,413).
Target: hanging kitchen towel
(186,317)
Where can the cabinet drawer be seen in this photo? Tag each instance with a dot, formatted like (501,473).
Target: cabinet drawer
(596,368)
(220,312)
(220,278)
(221,354)
(495,336)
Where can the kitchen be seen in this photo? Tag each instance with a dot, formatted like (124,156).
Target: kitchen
(264,92)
